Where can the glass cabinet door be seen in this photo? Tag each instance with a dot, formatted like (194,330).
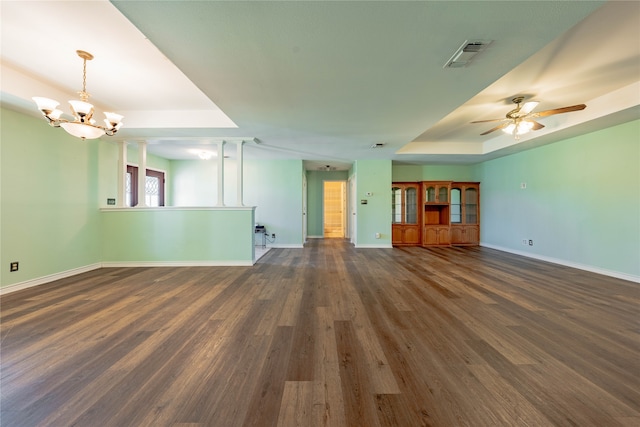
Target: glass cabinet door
(456,206)
(430,195)
(396,205)
(471,205)
(411,205)
(443,196)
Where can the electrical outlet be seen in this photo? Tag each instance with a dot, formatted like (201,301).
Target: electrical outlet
(524,241)
(14,266)
(523,185)
(530,242)
(273,236)
(377,235)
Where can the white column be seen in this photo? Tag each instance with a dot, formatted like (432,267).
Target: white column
(221,173)
(142,173)
(240,163)
(121,193)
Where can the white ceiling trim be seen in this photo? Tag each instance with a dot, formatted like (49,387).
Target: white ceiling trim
(174,119)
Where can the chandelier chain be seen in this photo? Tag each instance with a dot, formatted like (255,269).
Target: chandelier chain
(84,95)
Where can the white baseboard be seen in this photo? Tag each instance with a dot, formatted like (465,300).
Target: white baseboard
(49,278)
(590,268)
(286,246)
(127,264)
(374,246)
(64,274)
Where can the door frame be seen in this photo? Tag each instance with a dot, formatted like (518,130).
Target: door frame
(304,208)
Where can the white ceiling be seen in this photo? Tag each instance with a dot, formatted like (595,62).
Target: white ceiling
(323,81)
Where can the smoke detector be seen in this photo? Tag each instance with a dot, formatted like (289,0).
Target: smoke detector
(462,57)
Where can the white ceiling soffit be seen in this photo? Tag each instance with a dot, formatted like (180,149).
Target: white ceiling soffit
(128,74)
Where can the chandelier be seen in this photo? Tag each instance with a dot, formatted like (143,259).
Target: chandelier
(84,126)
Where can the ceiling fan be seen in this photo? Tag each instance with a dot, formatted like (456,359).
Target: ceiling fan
(520,120)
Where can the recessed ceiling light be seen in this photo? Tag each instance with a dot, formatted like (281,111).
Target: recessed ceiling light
(204,154)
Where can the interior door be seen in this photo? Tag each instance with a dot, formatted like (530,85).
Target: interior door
(334,204)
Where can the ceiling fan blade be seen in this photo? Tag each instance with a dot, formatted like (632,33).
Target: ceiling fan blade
(501,126)
(528,107)
(536,125)
(490,120)
(558,111)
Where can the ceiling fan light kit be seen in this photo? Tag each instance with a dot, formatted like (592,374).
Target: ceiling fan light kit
(83,126)
(519,121)
(519,128)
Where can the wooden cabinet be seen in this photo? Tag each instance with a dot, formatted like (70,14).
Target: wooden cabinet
(436,235)
(465,235)
(436,224)
(465,213)
(435,213)
(405,214)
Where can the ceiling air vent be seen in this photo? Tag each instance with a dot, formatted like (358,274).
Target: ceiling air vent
(462,57)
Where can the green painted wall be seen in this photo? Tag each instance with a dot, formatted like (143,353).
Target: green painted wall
(107,172)
(581,204)
(166,235)
(49,219)
(373,176)
(315,198)
(410,173)
(275,188)
(194,182)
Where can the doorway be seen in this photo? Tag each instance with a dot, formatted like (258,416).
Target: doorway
(334,203)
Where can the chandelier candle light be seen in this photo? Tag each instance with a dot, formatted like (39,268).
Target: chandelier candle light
(83,126)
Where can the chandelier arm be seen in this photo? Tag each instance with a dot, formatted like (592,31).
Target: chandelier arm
(56,123)
(53,122)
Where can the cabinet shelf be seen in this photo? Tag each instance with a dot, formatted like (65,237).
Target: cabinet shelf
(436,214)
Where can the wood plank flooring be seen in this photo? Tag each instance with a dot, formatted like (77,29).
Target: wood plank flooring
(328,335)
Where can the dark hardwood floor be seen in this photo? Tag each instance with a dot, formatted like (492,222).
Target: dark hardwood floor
(326,335)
